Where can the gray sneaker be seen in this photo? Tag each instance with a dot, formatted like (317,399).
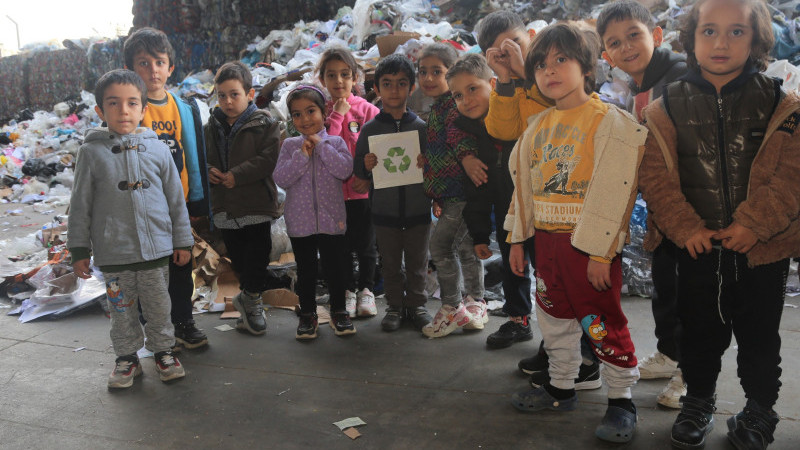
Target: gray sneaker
(252,312)
(126,368)
(168,366)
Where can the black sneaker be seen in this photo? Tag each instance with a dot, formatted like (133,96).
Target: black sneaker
(419,316)
(693,423)
(341,324)
(536,363)
(188,335)
(393,318)
(588,377)
(753,427)
(509,333)
(307,329)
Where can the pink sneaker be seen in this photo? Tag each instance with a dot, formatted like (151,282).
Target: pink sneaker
(447,320)
(478,310)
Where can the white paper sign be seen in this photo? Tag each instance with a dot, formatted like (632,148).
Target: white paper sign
(397,159)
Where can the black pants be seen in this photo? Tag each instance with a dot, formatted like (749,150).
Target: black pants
(181,289)
(665,300)
(517,290)
(718,294)
(249,249)
(360,237)
(333,256)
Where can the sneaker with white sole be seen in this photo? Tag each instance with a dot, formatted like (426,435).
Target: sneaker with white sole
(478,310)
(673,391)
(365,301)
(657,365)
(168,366)
(588,377)
(126,368)
(350,301)
(447,320)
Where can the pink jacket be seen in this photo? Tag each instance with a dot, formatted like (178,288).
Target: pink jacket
(349,126)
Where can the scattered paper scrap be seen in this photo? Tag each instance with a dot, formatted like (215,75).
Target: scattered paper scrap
(352,433)
(348,423)
(79,349)
(283,392)
(230,311)
(224,327)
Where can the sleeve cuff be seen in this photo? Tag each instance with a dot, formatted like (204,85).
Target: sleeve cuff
(505,89)
(600,259)
(80,253)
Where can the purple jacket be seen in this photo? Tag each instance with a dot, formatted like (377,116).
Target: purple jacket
(314,199)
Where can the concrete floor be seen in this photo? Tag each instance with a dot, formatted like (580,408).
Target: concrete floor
(275,392)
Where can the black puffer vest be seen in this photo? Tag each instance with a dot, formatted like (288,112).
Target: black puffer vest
(716,150)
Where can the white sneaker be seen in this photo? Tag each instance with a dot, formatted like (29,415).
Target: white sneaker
(672,393)
(655,366)
(366,303)
(350,303)
(447,320)
(478,311)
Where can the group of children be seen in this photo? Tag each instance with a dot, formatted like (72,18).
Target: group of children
(710,146)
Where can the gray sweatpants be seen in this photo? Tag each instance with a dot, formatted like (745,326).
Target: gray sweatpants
(125,291)
(453,254)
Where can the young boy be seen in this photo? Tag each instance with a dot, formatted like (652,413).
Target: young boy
(401,214)
(632,42)
(720,177)
(243,144)
(574,173)
(127,209)
(148,53)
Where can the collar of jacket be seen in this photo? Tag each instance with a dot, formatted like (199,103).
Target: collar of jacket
(222,119)
(408,117)
(694,77)
(661,62)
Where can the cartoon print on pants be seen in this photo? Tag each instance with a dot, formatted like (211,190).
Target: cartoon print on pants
(114,295)
(541,293)
(594,326)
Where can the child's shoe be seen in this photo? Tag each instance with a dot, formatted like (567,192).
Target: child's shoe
(672,393)
(168,366)
(693,423)
(539,399)
(588,377)
(419,316)
(657,365)
(249,306)
(366,303)
(126,368)
(753,427)
(307,329)
(341,324)
(516,329)
(188,335)
(447,320)
(536,363)
(478,310)
(393,318)
(350,300)
(618,425)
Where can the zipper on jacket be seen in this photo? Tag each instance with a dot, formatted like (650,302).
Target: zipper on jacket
(726,202)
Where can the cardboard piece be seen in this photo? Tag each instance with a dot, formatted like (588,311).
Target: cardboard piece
(352,433)
(323,316)
(388,44)
(281,298)
(230,312)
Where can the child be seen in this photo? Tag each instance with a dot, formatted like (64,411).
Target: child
(127,209)
(148,53)
(450,246)
(632,42)
(311,169)
(242,143)
(720,177)
(402,214)
(574,173)
(347,114)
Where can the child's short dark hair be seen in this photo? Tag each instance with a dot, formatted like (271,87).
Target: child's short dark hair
(338,53)
(307,92)
(760,21)
(445,52)
(473,64)
(235,70)
(495,24)
(394,64)
(151,41)
(624,10)
(119,76)
(572,42)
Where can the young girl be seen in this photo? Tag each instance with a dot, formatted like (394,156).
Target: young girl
(347,114)
(720,177)
(311,169)
(451,246)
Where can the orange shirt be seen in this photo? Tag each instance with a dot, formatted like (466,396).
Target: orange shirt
(165,120)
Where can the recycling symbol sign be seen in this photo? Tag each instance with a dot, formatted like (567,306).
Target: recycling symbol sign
(397,160)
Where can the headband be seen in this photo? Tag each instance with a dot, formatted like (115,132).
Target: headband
(309,87)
